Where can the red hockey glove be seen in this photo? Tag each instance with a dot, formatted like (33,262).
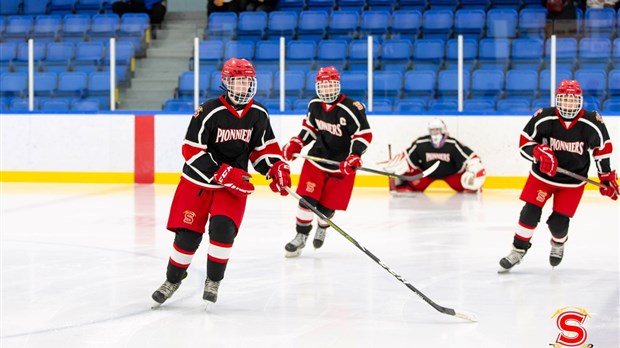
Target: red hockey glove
(234,179)
(350,165)
(611,181)
(294,146)
(280,173)
(545,157)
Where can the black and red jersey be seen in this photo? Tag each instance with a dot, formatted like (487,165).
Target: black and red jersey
(338,130)
(571,141)
(220,133)
(452,156)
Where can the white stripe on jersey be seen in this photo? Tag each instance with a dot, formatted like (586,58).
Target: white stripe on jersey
(219,252)
(345,108)
(266,157)
(204,122)
(193,144)
(265,143)
(202,184)
(598,131)
(261,109)
(323,168)
(526,156)
(544,119)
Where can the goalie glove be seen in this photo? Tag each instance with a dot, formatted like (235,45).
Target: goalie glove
(397,164)
(611,181)
(474,175)
(234,179)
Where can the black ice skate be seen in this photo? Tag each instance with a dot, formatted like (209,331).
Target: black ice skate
(293,248)
(164,292)
(210,293)
(556,254)
(511,260)
(319,237)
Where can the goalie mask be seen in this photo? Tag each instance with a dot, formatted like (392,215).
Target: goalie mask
(438,132)
(328,84)
(239,80)
(569,99)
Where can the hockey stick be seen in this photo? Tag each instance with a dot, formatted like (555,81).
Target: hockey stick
(444,310)
(391,175)
(582,178)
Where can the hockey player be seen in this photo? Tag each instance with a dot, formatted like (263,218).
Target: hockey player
(560,136)
(340,131)
(223,134)
(459,166)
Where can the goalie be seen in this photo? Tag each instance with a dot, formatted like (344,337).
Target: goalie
(459,166)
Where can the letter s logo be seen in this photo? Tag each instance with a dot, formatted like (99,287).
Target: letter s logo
(572,333)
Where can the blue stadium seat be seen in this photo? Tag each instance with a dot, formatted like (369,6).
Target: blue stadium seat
(61,6)
(527,53)
(409,106)
(437,24)
(593,82)
(513,105)
(428,54)
(374,23)
(134,25)
(267,57)
(309,87)
(444,4)
(18,28)
(532,22)
(291,5)
(99,88)
(301,104)
(406,24)
(88,56)
(487,83)
(382,5)
(469,23)
(358,54)
(13,84)
(10,7)
(72,84)
(59,56)
(300,54)
(8,53)
(22,104)
(239,49)
(544,82)
(264,81)
(521,83)
(447,83)
(539,103)
(420,83)
(294,82)
(55,104)
(475,4)
(312,25)
(221,25)
(252,25)
(343,25)
(352,5)
(186,84)
(612,105)
(479,105)
(85,105)
(616,51)
(566,53)
(75,27)
(494,53)
(321,5)
(34,7)
(103,26)
(210,55)
(502,23)
(412,5)
(594,53)
(354,83)
(185,105)
(613,83)
(47,28)
(600,22)
(591,103)
(92,6)
(442,104)
(216,82)
(396,54)
(282,23)
(22,55)
(45,84)
(4,105)
(379,104)
(387,83)
(470,53)
(332,52)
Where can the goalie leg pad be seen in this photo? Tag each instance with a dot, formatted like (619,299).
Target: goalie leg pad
(186,243)
(558,225)
(222,233)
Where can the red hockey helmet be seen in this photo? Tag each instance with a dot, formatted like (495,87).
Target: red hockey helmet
(239,80)
(328,84)
(569,98)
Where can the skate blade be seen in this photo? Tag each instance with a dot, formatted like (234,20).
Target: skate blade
(208,304)
(155,305)
(290,254)
(503,270)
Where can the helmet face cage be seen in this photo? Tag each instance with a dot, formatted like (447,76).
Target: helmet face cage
(328,90)
(438,132)
(241,89)
(568,105)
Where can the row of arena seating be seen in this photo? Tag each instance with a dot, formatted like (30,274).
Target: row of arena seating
(386,105)
(476,23)
(56,104)
(360,5)
(62,57)
(487,84)
(34,7)
(425,54)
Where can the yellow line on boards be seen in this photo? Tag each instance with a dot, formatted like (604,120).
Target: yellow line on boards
(67,177)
